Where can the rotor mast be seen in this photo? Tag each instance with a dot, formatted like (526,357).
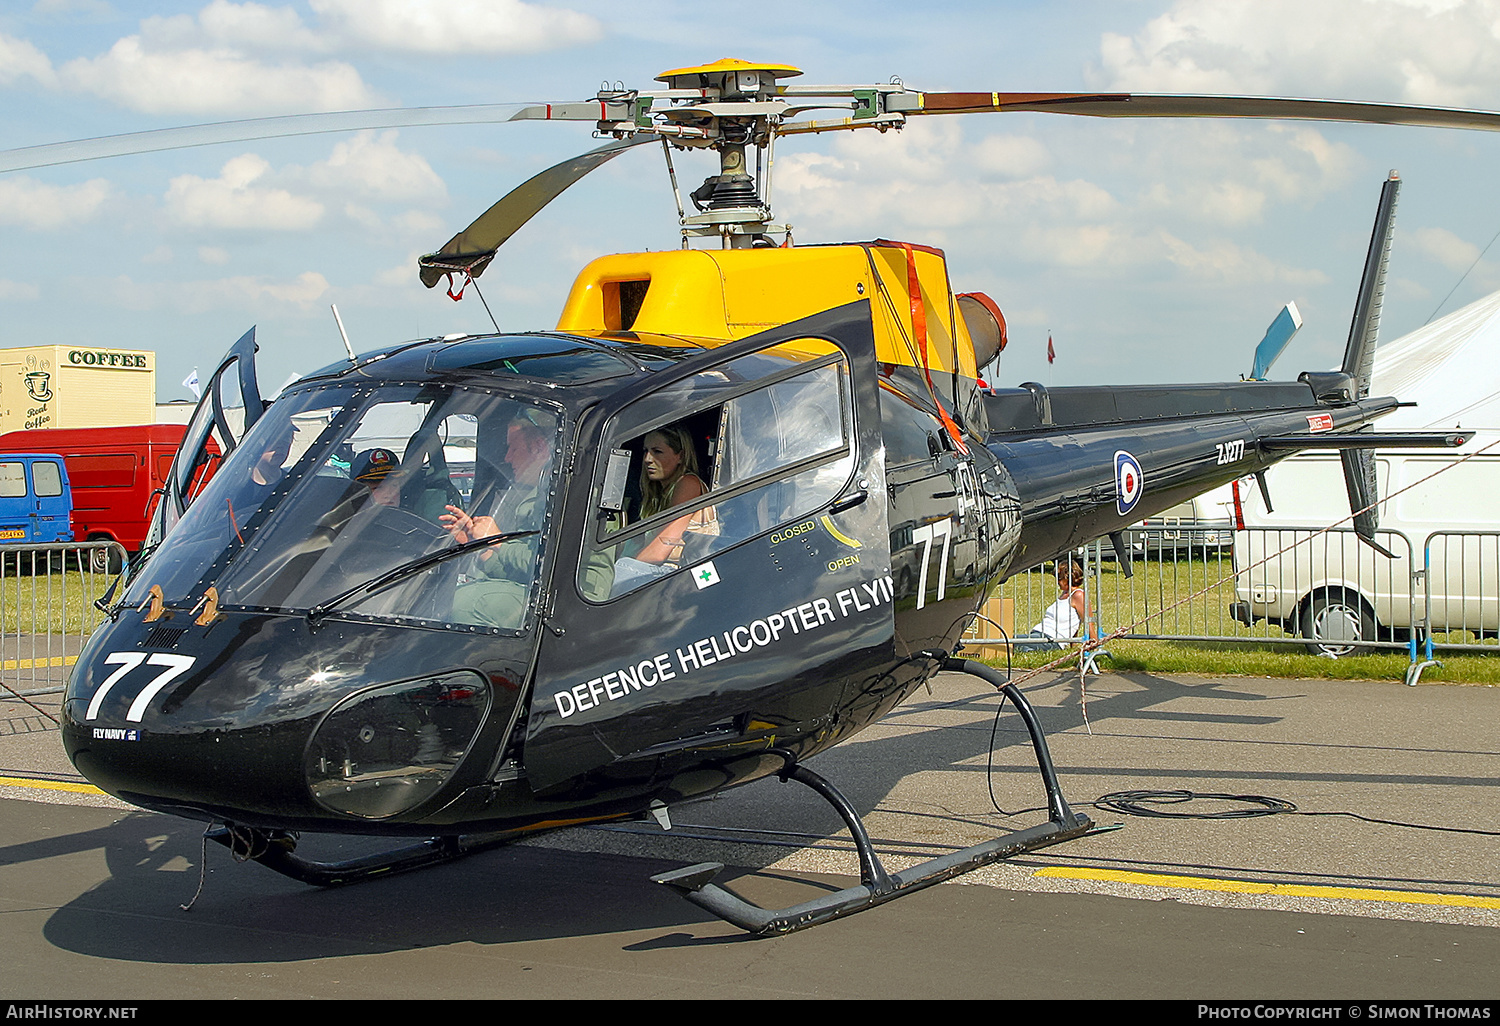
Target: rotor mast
(731,106)
(728,106)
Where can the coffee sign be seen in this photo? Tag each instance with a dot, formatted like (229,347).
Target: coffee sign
(106,358)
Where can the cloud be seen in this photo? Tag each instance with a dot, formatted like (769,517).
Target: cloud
(1162,206)
(1230,263)
(234,200)
(1012,156)
(18,292)
(219,80)
(260,59)
(368,182)
(248,26)
(32,204)
(1446,248)
(242,292)
(19,59)
(928,175)
(1442,52)
(372,165)
(455,26)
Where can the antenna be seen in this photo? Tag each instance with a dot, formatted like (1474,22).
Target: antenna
(342,333)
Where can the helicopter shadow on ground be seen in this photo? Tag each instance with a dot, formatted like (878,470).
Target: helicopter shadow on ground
(870,770)
(246,913)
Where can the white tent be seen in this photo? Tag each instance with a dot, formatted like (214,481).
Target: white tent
(1450,368)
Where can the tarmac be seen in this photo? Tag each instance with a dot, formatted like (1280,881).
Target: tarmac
(1321,840)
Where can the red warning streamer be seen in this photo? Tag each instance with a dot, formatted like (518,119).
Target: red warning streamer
(919,329)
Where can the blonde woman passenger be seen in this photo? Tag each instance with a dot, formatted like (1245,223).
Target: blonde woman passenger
(669,477)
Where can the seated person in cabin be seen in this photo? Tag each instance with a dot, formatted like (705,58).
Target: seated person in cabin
(269,469)
(499,577)
(1062,620)
(380,471)
(669,477)
(391,485)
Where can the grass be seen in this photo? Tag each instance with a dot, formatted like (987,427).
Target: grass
(60,602)
(1247,659)
(1182,596)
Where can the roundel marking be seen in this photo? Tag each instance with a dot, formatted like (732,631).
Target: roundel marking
(1130,482)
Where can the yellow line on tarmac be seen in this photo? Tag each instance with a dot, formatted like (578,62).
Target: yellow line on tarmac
(1202,883)
(27,664)
(49,785)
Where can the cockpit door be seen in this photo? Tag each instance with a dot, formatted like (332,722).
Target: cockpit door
(230,406)
(771,622)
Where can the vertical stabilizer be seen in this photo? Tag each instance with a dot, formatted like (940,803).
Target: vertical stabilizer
(1359,354)
(1359,359)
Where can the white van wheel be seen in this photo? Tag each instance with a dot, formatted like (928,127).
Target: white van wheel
(1336,622)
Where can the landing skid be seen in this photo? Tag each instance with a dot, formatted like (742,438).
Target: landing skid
(876,886)
(276,850)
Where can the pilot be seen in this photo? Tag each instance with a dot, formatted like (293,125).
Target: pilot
(669,477)
(495,593)
(381,471)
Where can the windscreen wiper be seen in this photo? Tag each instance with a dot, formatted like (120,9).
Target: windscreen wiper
(393,576)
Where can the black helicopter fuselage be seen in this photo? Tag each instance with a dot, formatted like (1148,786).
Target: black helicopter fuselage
(851,535)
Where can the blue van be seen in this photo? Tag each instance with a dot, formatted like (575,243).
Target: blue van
(36,502)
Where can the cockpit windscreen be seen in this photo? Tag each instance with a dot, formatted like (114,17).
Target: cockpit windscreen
(339,497)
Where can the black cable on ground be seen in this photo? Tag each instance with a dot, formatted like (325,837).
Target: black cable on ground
(1145,803)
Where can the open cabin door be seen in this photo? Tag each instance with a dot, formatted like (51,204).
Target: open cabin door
(774,605)
(230,406)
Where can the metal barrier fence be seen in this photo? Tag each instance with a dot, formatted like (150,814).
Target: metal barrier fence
(1292,586)
(1323,589)
(1461,593)
(47,611)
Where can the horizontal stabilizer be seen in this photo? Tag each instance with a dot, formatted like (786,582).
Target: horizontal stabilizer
(1370,440)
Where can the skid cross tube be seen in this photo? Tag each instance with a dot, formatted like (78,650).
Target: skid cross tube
(876,886)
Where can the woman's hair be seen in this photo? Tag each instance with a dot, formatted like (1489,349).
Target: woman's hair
(1074,570)
(657,495)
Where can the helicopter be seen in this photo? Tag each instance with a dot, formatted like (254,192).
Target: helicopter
(423,594)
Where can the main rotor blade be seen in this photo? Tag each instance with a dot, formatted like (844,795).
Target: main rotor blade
(251,129)
(1187,105)
(472,249)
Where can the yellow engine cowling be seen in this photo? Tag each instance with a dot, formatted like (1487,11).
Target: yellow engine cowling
(716,296)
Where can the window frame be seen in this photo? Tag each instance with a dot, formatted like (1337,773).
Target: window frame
(600,537)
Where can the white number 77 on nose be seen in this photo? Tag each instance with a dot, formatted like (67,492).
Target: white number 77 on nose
(176,666)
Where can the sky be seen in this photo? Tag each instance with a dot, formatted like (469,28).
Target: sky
(1147,250)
